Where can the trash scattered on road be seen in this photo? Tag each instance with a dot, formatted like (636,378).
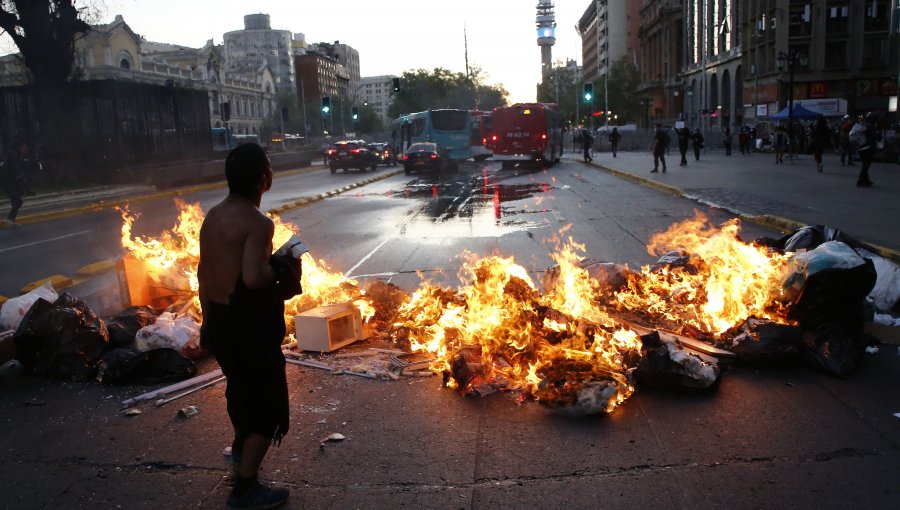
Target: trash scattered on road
(132,411)
(872,349)
(187,412)
(335,436)
(34,402)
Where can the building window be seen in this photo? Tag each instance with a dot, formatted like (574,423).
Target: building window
(837,54)
(873,52)
(876,17)
(837,19)
(125,60)
(799,24)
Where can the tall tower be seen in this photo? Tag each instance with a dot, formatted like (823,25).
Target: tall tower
(546,32)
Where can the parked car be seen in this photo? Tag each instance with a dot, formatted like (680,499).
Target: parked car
(423,156)
(347,154)
(385,153)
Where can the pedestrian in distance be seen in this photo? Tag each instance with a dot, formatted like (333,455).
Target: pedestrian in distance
(697,138)
(684,138)
(744,140)
(779,144)
(659,144)
(614,137)
(14,178)
(844,136)
(866,149)
(587,142)
(821,140)
(243,287)
(726,139)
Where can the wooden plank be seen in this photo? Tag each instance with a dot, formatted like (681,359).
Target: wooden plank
(690,343)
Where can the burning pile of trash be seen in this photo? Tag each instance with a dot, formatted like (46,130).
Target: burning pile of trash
(580,344)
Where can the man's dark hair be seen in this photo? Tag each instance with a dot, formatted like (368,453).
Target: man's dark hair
(244,165)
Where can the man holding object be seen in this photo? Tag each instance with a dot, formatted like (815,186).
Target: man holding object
(242,292)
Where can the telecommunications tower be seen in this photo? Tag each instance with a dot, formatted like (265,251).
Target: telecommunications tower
(546,32)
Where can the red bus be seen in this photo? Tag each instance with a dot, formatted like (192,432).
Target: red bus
(481,134)
(527,132)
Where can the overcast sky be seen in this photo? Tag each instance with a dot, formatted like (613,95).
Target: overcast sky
(391,36)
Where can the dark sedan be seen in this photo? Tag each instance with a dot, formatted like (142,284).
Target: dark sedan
(351,154)
(423,156)
(385,153)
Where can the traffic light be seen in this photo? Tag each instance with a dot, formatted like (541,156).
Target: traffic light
(396,83)
(326,105)
(284,114)
(588,92)
(226,111)
(354,112)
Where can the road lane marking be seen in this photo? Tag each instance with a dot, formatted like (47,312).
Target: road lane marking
(26,245)
(364,259)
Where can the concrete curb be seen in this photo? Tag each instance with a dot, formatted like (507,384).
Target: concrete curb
(783,225)
(95,207)
(322,196)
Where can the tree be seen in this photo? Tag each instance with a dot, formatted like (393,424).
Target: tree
(562,87)
(624,79)
(422,90)
(45,33)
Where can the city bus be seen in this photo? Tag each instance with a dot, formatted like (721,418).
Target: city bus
(450,129)
(526,132)
(224,140)
(481,135)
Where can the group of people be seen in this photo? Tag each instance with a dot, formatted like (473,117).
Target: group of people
(17,168)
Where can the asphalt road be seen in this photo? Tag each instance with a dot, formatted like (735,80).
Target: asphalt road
(65,244)
(785,437)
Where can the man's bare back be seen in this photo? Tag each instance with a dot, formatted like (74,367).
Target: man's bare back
(236,241)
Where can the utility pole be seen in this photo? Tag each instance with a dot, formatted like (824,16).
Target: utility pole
(606,92)
(303,108)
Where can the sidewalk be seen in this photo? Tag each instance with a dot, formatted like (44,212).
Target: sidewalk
(784,196)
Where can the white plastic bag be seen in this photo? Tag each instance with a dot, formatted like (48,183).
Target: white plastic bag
(886,293)
(168,331)
(13,310)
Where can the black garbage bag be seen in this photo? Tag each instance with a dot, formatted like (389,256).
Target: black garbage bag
(831,313)
(124,325)
(148,367)
(669,366)
(809,237)
(761,341)
(61,339)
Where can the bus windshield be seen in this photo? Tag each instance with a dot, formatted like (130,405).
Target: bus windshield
(449,120)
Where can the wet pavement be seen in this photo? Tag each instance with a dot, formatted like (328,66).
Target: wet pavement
(767,437)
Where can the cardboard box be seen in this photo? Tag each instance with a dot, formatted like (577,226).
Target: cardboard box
(328,328)
(139,288)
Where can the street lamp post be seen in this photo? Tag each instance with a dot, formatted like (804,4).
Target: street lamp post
(690,96)
(789,59)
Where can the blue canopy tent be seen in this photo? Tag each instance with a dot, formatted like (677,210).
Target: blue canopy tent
(799,113)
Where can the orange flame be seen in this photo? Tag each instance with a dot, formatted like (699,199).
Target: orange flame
(552,347)
(175,254)
(727,282)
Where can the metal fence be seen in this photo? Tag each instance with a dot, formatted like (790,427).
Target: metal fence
(111,128)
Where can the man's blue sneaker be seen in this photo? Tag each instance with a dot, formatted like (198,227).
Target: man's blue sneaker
(258,498)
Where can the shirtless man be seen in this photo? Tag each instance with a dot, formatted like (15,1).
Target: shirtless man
(243,320)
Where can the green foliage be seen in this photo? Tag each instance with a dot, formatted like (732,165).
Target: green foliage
(562,88)
(624,80)
(422,90)
(623,102)
(45,32)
